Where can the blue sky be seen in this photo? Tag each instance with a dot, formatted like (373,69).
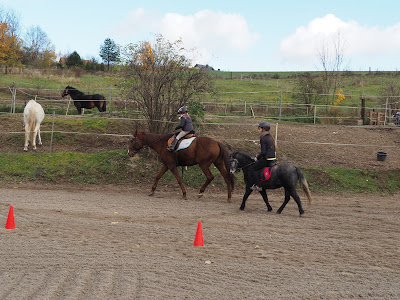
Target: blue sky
(228,35)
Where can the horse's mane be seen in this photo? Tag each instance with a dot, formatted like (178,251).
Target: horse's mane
(242,154)
(72,89)
(155,137)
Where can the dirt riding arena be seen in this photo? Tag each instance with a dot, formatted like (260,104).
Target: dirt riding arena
(119,243)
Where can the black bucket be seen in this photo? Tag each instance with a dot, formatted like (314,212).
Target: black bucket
(381,156)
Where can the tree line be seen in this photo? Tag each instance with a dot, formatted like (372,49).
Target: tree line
(35,49)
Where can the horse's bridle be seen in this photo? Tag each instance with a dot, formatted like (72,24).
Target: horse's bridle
(65,92)
(134,151)
(241,168)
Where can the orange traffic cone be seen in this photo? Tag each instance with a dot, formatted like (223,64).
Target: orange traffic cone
(198,241)
(10,220)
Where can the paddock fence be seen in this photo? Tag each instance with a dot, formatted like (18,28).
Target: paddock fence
(282,109)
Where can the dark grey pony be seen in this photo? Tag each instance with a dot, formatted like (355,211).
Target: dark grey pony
(283,175)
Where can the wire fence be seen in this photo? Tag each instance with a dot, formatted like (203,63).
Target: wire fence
(278,110)
(54,130)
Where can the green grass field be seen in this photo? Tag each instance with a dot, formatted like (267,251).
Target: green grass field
(244,86)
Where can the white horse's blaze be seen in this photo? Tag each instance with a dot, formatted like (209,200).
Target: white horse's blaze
(33,116)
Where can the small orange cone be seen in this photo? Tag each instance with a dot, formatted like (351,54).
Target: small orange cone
(198,241)
(10,220)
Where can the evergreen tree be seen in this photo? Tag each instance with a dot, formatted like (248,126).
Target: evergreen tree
(74,60)
(109,52)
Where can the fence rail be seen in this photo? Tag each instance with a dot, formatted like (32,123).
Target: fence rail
(206,124)
(275,110)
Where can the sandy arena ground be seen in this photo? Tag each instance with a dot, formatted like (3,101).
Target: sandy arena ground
(122,244)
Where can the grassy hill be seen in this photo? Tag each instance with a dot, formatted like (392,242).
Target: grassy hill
(231,86)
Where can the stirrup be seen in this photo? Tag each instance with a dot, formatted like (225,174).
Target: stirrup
(256,188)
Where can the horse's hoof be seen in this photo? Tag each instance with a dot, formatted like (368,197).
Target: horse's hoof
(200,195)
(26,150)
(278,212)
(229,200)
(301,213)
(241,208)
(151,194)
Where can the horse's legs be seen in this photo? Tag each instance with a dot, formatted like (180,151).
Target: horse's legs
(40,139)
(97,104)
(265,197)
(37,132)
(179,179)
(34,134)
(158,177)
(245,196)
(27,133)
(206,170)
(297,199)
(224,173)
(287,198)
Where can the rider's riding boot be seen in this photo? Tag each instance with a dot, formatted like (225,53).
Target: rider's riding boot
(173,144)
(256,188)
(257,185)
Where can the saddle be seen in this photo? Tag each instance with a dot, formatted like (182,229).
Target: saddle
(171,139)
(265,173)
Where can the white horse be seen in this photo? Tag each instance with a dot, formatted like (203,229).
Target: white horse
(33,116)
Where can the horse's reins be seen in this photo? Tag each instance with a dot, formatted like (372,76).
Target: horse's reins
(156,141)
(241,168)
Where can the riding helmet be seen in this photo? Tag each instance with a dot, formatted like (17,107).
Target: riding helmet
(265,125)
(182,110)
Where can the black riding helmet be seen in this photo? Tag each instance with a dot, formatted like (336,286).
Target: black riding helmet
(265,125)
(182,110)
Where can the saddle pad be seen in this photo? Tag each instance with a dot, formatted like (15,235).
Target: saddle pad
(171,139)
(266,174)
(185,143)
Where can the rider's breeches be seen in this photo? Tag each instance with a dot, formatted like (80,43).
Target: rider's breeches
(181,134)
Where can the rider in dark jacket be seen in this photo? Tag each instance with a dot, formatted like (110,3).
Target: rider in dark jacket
(185,124)
(267,156)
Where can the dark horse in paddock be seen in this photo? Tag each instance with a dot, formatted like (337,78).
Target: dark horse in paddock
(82,100)
(203,151)
(283,175)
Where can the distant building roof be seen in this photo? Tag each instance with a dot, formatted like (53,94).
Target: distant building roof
(206,67)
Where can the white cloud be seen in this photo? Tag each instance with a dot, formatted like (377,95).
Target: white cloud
(359,40)
(211,33)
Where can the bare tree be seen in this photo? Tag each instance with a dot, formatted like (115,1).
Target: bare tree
(308,88)
(39,51)
(391,92)
(159,79)
(12,21)
(330,57)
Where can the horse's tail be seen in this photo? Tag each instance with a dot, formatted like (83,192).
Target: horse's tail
(32,122)
(104,103)
(304,184)
(224,153)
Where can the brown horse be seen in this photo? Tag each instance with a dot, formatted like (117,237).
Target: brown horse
(82,100)
(203,152)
